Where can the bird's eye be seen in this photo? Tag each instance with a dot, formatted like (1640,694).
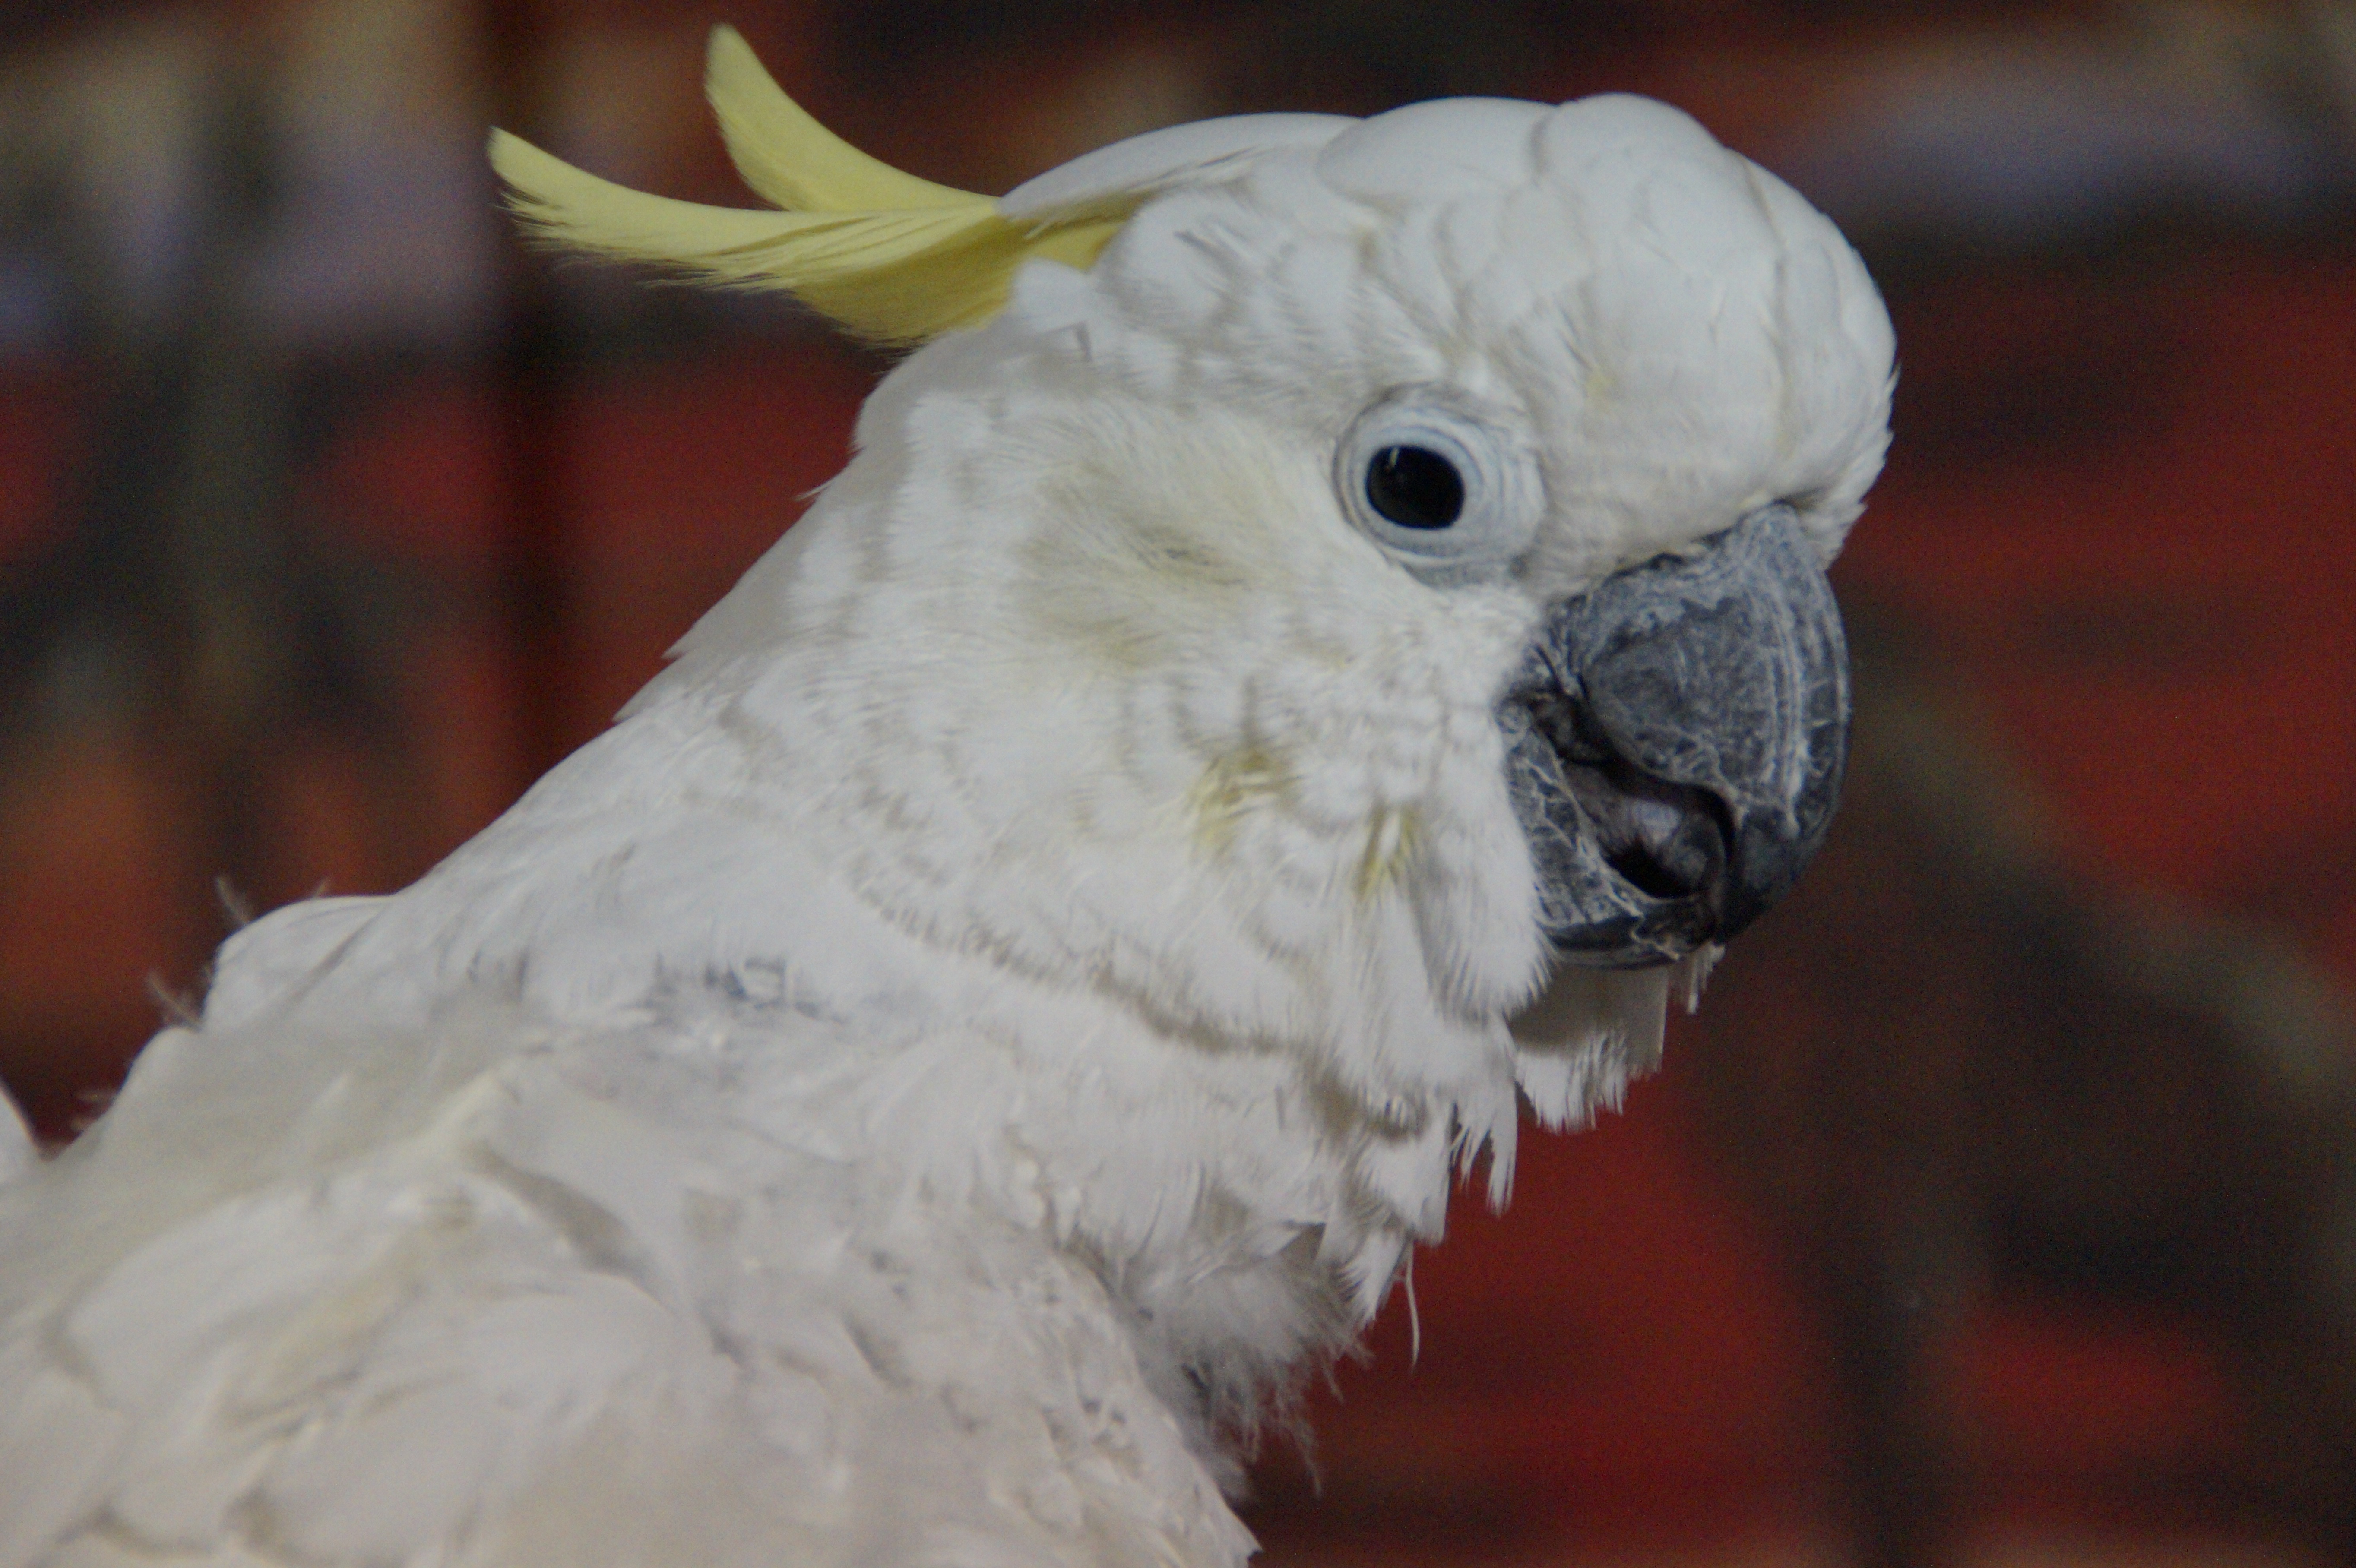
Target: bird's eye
(1415,487)
(1438,481)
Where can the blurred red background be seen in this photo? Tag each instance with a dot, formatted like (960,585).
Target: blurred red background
(2000,1205)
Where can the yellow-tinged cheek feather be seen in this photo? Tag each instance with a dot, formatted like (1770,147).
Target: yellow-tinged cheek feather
(1158,539)
(1390,840)
(1254,778)
(1232,786)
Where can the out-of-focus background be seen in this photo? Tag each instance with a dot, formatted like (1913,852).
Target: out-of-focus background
(2000,1206)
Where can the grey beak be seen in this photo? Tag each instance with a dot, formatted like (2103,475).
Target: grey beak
(1676,736)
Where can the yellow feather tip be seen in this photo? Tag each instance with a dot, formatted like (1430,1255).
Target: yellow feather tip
(791,159)
(891,257)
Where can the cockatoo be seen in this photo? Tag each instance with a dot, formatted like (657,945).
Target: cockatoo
(1329,625)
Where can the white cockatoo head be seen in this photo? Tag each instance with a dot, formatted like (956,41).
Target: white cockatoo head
(1321,579)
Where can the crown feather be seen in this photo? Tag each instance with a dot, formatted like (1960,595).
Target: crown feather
(893,258)
(792,160)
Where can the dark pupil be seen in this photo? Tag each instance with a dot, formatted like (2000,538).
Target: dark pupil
(1415,487)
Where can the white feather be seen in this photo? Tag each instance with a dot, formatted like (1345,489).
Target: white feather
(1204,151)
(18,1154)
(1009,997)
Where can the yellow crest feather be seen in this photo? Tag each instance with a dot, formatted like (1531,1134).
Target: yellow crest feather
(890,256)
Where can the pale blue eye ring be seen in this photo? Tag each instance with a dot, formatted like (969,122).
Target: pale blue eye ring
(1439,483)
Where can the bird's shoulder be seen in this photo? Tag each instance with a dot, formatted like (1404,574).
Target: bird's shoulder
(544,1293)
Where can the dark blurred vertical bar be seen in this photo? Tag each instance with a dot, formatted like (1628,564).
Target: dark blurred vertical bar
(530,369)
